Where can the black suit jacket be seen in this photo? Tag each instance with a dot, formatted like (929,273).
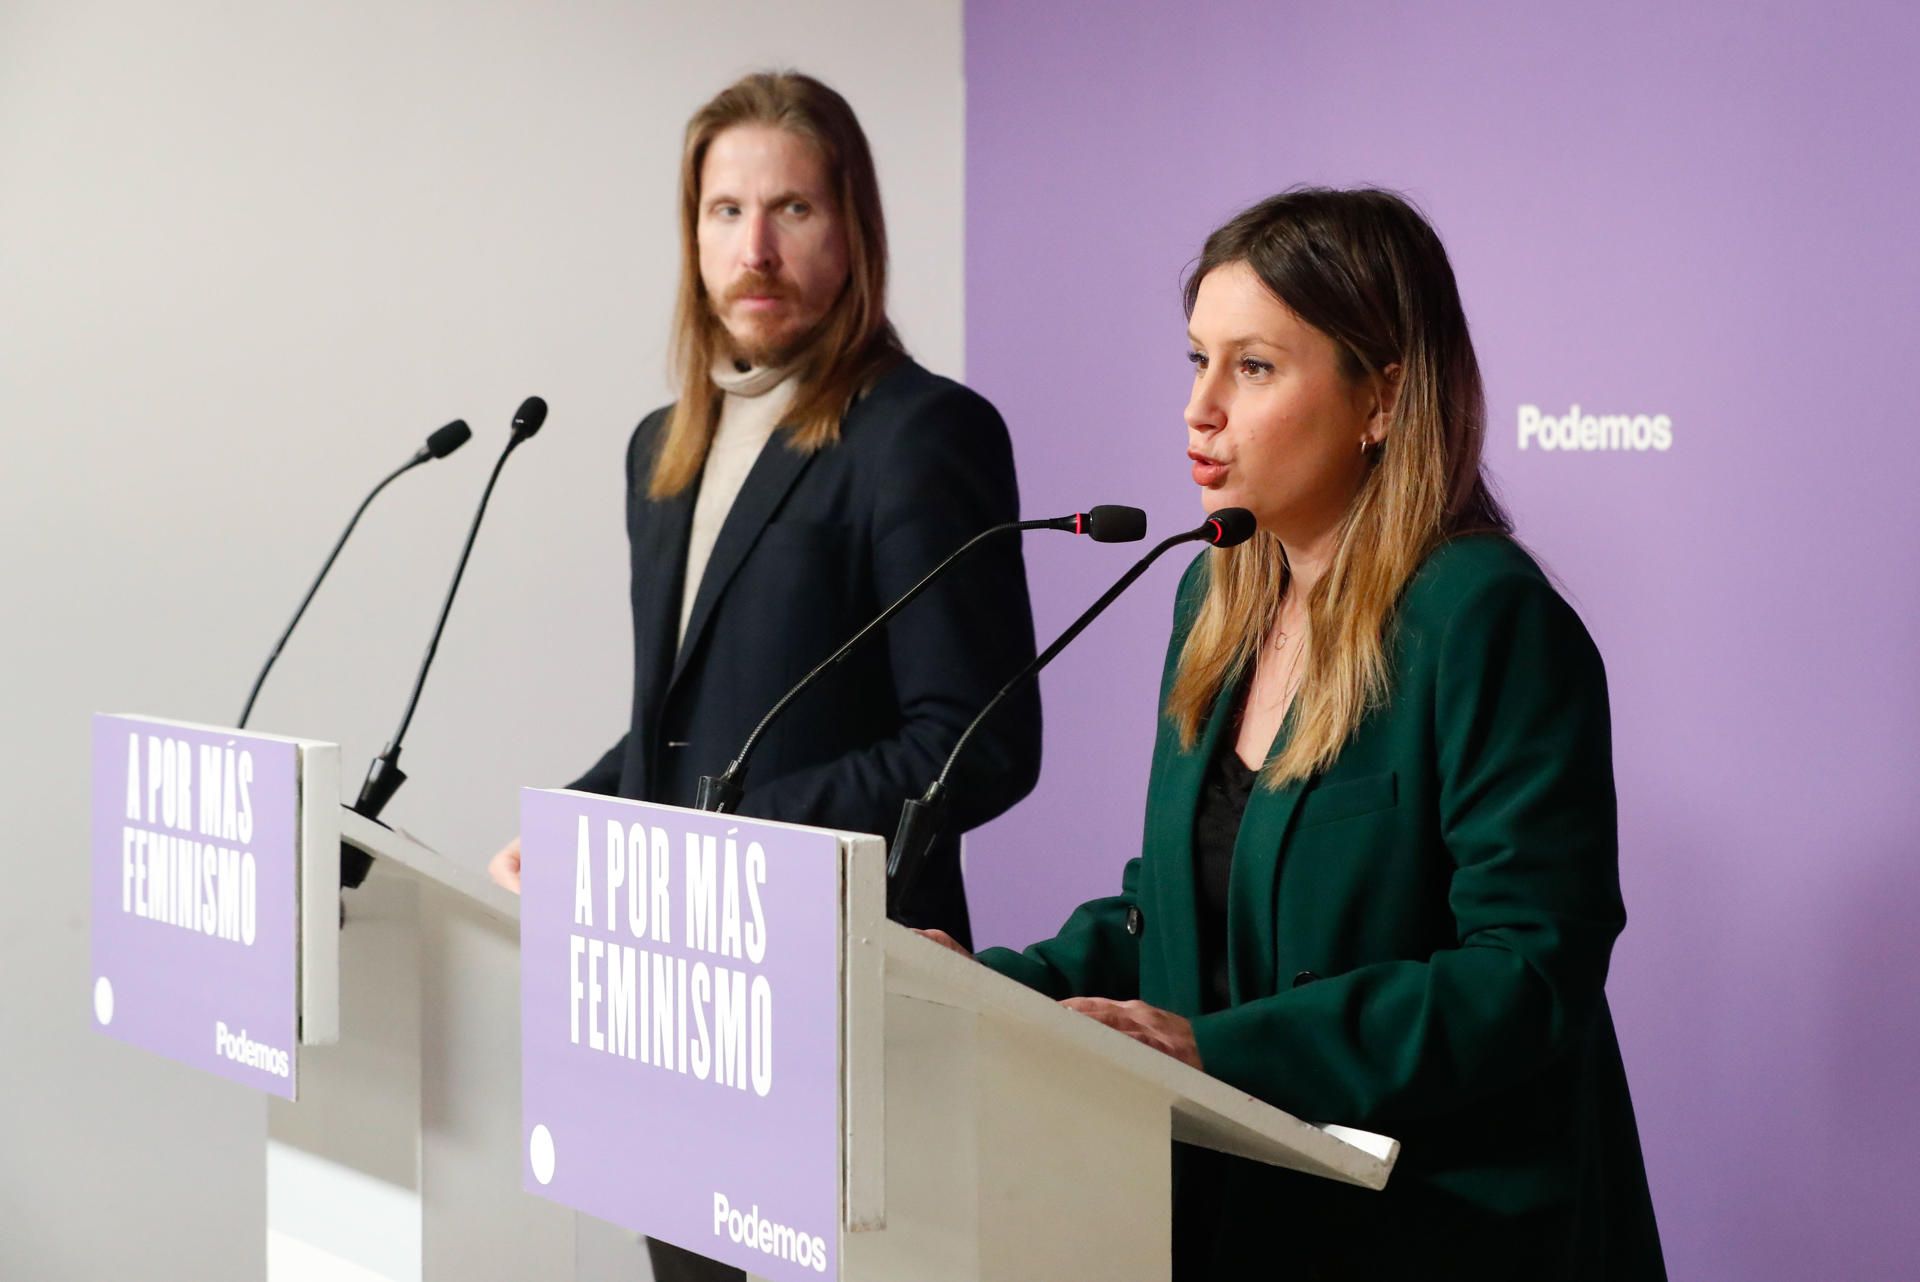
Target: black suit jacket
(815,546)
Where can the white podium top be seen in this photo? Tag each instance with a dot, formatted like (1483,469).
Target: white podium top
(1206,1111)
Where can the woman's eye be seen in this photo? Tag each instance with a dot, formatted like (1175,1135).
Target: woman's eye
(1248,365)
(1198,360)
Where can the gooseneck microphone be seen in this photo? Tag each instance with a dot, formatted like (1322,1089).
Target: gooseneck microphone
(1107,523)
(384,775)
(441,443)
(920,818)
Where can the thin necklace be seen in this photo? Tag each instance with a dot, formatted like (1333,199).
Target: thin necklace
(1288,673)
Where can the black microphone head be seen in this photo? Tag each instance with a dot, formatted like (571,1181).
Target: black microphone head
(1229,527)
(528,418)
(1112,523)
(446,440)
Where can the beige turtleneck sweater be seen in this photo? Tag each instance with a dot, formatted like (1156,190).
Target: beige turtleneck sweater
(753,404)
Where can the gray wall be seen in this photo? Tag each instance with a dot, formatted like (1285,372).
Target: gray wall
(249,256)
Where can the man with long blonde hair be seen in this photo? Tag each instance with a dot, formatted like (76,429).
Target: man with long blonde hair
(809,473)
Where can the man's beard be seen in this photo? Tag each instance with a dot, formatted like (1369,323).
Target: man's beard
(774,352)
(777,349)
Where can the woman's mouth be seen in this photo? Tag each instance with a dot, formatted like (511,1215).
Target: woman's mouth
(1206,471)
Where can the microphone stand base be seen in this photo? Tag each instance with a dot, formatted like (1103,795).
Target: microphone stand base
(912,841)
(719,794)
(384,778)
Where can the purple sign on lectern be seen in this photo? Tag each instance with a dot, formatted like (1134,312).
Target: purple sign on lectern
(195,930)
(680,1026)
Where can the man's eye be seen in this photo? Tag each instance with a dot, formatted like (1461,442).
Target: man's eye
(799,208)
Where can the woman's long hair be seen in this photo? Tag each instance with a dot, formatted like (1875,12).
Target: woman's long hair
(1364,268)
(855,342)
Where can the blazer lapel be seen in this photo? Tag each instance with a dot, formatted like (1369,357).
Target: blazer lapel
(664,527)
(1176,799)
(773,474)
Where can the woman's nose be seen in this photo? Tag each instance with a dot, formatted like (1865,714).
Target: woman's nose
(1205,413)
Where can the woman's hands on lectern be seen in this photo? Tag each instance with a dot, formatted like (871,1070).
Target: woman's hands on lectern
(1163,1030)
(504,867)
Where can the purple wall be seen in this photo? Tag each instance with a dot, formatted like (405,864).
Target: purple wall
(1707,214)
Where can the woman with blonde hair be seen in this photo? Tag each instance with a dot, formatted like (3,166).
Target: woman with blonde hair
(1379,882)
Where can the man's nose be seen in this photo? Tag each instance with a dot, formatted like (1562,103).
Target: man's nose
(761,250)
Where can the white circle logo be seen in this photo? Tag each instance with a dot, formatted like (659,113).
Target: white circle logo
(540,1152)
(103,1000)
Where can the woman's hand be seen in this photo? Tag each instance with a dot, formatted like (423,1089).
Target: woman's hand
(504,867)
(943,939)
(1163,1030)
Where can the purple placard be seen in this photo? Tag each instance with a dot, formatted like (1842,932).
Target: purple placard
(680,1026)
(195,909)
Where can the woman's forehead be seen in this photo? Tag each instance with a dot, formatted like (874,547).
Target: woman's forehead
(1233,306)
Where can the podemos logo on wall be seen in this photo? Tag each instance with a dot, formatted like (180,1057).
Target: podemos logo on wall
(1580,432)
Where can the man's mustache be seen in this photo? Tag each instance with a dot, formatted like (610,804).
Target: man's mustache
(759,285)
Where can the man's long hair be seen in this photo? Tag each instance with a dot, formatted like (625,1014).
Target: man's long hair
(1365,269)
(853,344)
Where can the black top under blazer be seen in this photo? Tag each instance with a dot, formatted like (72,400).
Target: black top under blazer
(813,548)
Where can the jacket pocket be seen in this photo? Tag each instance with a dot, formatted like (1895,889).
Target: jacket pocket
(1348,799)
(807,533)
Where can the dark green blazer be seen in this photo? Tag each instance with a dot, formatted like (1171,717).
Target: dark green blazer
(1418,943)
